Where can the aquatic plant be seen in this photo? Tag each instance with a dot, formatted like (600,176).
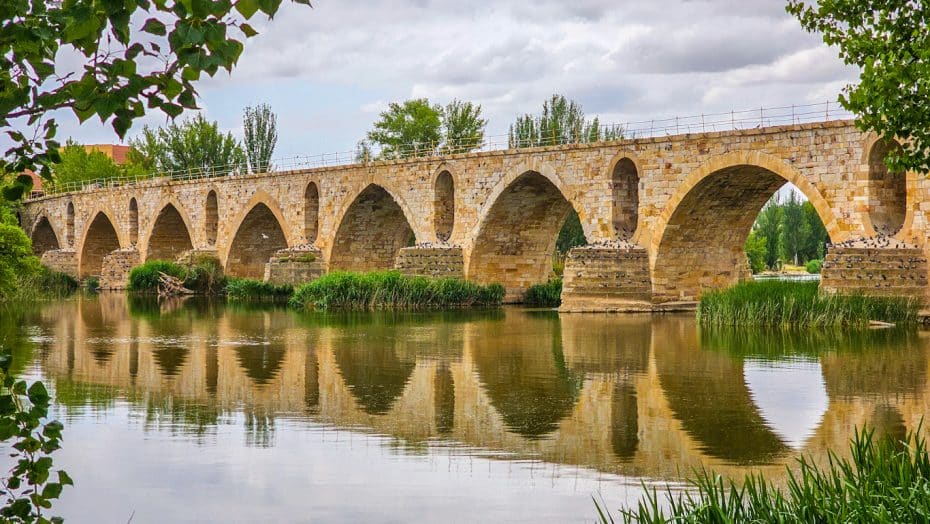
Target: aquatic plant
(390,290)
(247,289)
(544,295)
(202,275)
(779,303)
(884,480)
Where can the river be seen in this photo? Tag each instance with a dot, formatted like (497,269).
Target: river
(196,411)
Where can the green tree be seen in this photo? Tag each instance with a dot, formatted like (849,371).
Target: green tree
(462,126)
(562,121)
(889,41)
(195,145)
(756,251)
(260,126)
(16,259)
(795,230)
(408,129)
(79,165)
(571,235)
(768,226)
(817,241)
(138,55)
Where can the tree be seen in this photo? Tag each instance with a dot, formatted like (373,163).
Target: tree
(194,146)
(463,127)
(795,230)
(756,251)
(138,55)
(562,121)
(80,165)
(817,241)
(768,226)
(261,135)
(408,129)
(571,235)
(889,41)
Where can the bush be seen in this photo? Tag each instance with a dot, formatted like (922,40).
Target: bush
(392,290)
(780,303)
(247,289)
(885,480)
(144,278)
(202,275)
(91,284)
(544,295)
(814,266)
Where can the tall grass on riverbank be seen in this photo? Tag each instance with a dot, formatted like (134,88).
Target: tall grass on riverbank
(392,290)
(884,480)
(203,275)
(776,303)
(250,290)
(544,295)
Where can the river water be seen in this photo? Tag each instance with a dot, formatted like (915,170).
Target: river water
(196,411)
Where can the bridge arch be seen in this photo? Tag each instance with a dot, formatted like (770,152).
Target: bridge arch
(133,221)
(624,192)
(99,239)
(444,205)
(886,190)
(259,233)
(518,228)
(701,232)
(69,224)
(373,228)
(44,237)
(211,215)
(170,235)
(311,212)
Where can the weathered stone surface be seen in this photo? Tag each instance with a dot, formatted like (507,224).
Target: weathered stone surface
(688,200)
(295,266)
(900,272)
(436,262)
(606,279)
(116,267)
(64,260)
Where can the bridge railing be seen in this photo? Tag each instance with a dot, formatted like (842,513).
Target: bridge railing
(703,123)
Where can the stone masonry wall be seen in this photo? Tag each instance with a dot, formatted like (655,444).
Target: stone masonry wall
(606,279)
(295,266)
(61,260)
(898,272)
(435,262)
(116,268)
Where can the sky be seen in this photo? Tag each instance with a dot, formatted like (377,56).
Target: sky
(328,71)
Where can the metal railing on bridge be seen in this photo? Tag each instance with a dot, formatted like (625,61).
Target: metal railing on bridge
(703,123)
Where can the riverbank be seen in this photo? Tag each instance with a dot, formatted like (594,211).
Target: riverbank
(774,303)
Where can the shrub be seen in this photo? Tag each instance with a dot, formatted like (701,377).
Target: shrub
(202,275)
(813,266)
(247,289)
(781,304)
(392,290)
(91,284)
(544,295)
(145,278)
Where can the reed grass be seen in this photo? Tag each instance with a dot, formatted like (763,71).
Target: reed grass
(544,295)
(775,303)
(392,290)
(883,480)
(204,275)
(250,290)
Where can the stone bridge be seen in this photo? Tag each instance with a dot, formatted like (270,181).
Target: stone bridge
(664,217)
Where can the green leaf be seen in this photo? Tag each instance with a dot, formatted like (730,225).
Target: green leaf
(247,8)
(52,490)
(154,26)
(64,478)
(38,393)
(247,30)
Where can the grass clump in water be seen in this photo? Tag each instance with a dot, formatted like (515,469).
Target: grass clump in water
(777,303)
(392,290)
(203,275)
(544,295)
(884,480)
(251,290)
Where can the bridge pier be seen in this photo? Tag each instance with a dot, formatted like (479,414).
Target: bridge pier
(899,271)
(63,260)
(600,278)
(435,262)
(295,266)
(114,271)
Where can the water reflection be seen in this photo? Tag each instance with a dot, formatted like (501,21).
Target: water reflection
(633,395)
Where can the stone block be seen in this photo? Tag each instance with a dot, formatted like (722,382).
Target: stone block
(434,262)
(116,266)
(295,266)
(600,279)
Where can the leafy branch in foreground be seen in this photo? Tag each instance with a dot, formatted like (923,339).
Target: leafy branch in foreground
(28,489)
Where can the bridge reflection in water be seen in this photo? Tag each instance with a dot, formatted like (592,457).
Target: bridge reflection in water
(641,396)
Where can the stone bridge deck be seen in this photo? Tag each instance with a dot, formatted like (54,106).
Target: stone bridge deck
(669,215)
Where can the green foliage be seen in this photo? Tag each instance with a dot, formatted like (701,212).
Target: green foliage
(91,284)
(137,55)
(44,283)
(16,259)
(756,251)
(544,295)
(79,165)
(250,290)
(789,231)
(884,480)
(203,275)
(463,127)
(889,42)
(571,235)
(195,145)
(32,483)
(144,278)
(562,121)
(392,290)
(814,266)
(408,129)
(776,303)
(260,126)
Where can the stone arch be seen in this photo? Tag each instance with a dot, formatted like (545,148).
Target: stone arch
(259,234)
(624,185)
(170,235)
(133,221)
(444,205)
(211,218)
(44,237)
(372,231)
(517,232)
(99,239)
(699,239)
(69,224)
(311,212)
(886,190)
